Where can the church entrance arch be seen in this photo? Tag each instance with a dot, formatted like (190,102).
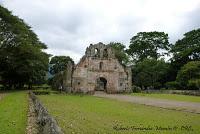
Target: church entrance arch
(101,84)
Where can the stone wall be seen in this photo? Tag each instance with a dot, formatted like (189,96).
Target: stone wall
(47,124)
(99,63)
(183,92)
(67,77)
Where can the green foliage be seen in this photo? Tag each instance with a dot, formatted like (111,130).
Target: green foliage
(146,45)
(172,85)
(150,73)
(56,81)
(194,84)
(58,68)
(59,63)
(41,92)
(136,89)
(185,50)
(163,88)
(189,72)
(21,56)
(43,86)
(120,52)
(188,48)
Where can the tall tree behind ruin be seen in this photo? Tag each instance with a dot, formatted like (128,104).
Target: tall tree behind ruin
(120,52)
(59,69)
(148,45)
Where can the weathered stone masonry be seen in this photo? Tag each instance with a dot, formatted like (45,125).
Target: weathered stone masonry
(47,124)
(99,70)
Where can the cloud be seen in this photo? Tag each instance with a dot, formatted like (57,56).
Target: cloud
(192,21)
(69,26)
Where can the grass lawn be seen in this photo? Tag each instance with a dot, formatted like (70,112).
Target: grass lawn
(89,115)
(13,113)
(176,97)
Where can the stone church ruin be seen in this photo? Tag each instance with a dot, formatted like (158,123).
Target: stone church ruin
(98,70)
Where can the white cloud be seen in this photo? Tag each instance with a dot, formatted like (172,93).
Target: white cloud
(69,26)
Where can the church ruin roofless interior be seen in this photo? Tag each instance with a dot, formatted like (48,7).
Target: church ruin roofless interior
(99,70)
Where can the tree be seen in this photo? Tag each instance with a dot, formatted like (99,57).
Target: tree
(194,84)
(59,63)
(150,73)
(58,68)
(21,56)
(189,74)
(188,48)
(185,50)
(120,52)
(148,45)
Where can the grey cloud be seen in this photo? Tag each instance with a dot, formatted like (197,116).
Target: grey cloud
(68,27)
(191,21)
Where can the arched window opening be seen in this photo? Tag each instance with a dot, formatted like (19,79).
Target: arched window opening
(115,67)
(96,52)
(105,53)
(126,75)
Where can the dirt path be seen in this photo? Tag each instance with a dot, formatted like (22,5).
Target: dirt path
(32,127)
(163,103)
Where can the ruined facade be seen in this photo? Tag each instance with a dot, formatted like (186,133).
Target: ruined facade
(99,70)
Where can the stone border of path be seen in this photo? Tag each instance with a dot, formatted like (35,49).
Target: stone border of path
(46,122)
(191,107)
(32,125)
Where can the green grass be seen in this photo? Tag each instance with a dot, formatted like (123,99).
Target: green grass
(13,113)
(176,97)
(90,115)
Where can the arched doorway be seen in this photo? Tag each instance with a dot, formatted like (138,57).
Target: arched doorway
(96,52)
(101,84)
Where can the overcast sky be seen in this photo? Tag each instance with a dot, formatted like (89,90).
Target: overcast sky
(67,27)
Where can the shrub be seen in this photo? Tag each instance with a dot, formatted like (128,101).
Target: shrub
(136,89)
(194,84)
(41,92)
(172,85)
(189,72)
(163,88)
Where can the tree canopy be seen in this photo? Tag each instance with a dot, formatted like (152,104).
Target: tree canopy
(120,52)
(58,68)
(148,45)
(59,63)
(186,49)
(21,56)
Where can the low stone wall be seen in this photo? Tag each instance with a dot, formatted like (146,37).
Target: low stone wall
(48,124)
(184,92)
